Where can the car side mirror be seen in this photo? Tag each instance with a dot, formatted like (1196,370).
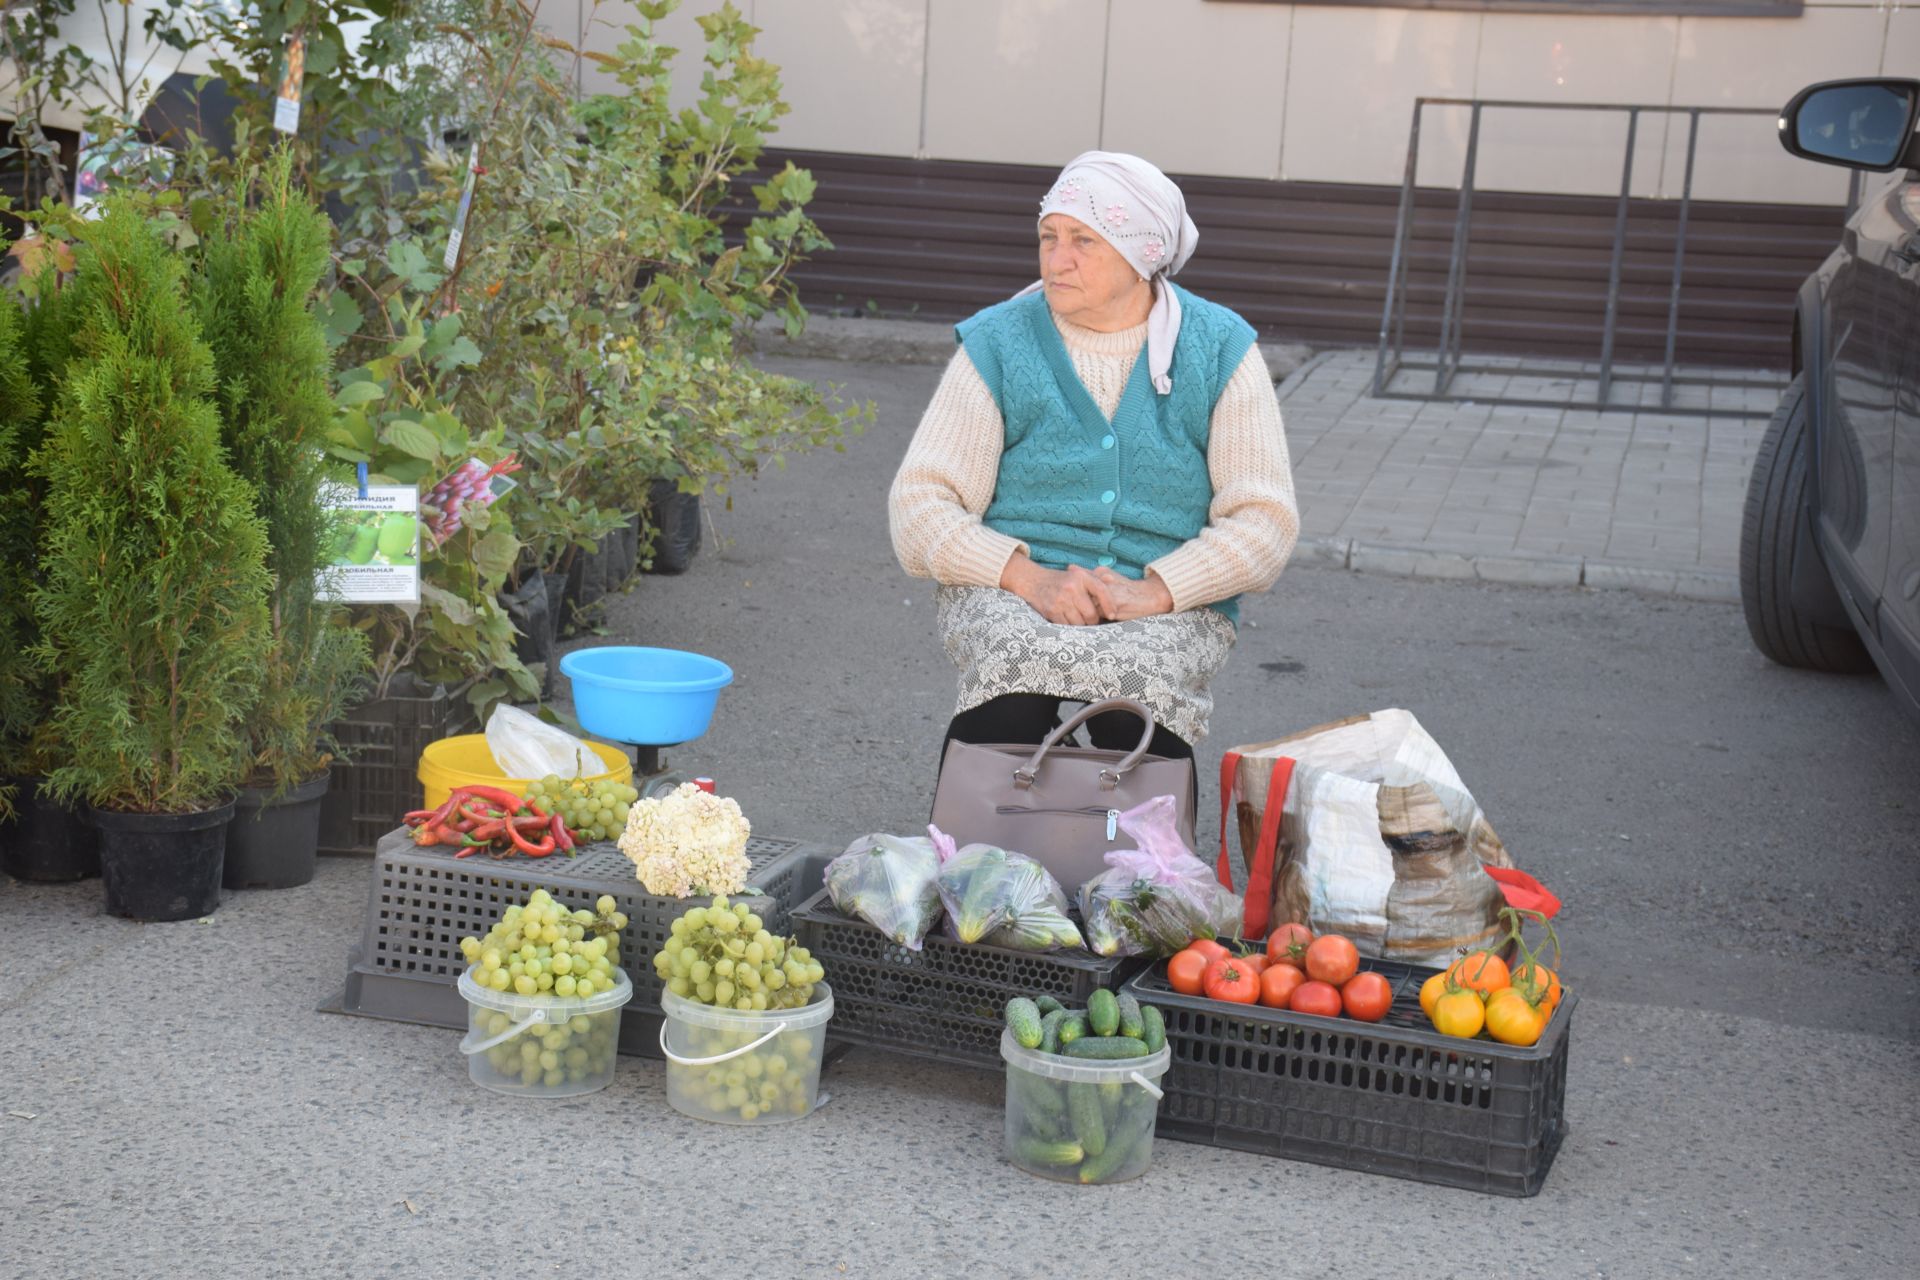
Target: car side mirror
(1858,124)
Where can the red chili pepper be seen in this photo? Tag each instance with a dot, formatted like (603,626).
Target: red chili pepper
(480,812)
(505,799)
(525,846)
(425,819)
(561,840)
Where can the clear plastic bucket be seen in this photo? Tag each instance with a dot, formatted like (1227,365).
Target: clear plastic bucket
(1081,1119)
(542,1046)
(744,1068)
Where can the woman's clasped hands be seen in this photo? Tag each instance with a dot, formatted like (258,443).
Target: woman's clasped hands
(1085,597)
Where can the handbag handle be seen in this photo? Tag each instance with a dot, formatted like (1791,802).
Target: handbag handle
(1110,777)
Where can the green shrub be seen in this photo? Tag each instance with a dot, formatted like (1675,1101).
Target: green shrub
(153,611)
(19,413)
(253,296)
(41,342)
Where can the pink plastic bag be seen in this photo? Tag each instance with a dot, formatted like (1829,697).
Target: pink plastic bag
(1157,898)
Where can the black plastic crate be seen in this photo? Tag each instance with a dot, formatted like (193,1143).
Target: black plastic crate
(421,902)
(378,782)
(1393,1097)
(946,1001)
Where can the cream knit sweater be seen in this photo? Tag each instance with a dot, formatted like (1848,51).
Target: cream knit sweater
(947,479)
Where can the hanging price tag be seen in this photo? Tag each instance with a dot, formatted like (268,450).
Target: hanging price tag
(452,259)
(286,107)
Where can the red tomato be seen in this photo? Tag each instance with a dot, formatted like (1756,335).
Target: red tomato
(1254,960)
(1332,959)
(1367,996)
(1209,948)
(1318,997)
(1287,944)
(1227,979)
(1277,985)
(1186,971)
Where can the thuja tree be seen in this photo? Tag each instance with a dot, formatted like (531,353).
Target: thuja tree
(19,407)
(153,611)
(34,347)
(254,301)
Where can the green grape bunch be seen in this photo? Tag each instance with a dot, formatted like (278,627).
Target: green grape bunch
(555,1054)
(541,947)
(723,955)
(779,1079)
(593,811)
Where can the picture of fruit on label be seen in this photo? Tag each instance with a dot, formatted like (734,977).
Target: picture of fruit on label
(376,547)
(374,537)
(449,505)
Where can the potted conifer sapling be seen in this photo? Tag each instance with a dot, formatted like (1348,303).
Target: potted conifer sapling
(254,301)
(41,838)
(153,605)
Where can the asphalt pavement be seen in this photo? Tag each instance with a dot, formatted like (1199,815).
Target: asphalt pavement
(1732,839)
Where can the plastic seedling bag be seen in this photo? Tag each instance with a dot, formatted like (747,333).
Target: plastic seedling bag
(888,881)
(525,746)
(1005,900)
(1157,898)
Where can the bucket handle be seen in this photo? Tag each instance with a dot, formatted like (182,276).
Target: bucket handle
(1147,1084)
(722,1057)
(469,1048)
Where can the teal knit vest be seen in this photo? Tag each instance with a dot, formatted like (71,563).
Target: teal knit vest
(1078,489)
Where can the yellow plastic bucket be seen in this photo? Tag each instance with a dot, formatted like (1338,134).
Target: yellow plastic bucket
(466,761)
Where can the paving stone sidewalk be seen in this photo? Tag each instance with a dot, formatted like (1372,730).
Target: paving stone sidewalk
(1628,498)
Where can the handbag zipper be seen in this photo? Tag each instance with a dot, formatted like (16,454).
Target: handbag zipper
(1093,811)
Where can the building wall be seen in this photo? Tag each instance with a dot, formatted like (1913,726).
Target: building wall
(1304,93)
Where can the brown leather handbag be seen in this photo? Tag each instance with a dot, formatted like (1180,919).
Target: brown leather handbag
(1058,805)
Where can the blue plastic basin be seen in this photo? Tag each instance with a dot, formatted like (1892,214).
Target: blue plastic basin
(651,696)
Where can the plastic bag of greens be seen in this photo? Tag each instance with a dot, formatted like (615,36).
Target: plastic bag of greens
(888,881)
(1154,900)
(1004,899)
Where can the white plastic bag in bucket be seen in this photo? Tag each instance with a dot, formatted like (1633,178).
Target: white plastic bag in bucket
(744,1067)
(525,746)
(1086,1120)
(542,1046)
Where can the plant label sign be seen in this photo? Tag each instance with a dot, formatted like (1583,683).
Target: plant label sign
(455,236)
(470,485)
(286,105)
(376,556)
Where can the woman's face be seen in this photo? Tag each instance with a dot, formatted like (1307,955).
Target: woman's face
(1087,280)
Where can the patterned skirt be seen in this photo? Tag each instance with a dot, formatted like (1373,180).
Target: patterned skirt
(1001,645)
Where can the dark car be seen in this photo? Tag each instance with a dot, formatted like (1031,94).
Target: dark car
(1830,541)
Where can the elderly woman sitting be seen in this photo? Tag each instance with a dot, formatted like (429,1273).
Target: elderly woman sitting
(1100,475)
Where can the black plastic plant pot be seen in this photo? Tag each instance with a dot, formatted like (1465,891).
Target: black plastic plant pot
(162,866)
(677,517)
(46,840)
(274,844)
(618,552)
(593,576)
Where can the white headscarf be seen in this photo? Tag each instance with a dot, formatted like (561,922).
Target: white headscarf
(1140,212)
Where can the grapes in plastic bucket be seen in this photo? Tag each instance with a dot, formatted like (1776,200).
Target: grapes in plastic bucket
(742,1067)
(542,1046)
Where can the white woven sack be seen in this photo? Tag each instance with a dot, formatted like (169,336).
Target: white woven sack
(1380,839)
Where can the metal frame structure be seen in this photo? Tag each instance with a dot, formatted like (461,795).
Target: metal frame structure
(1391,358)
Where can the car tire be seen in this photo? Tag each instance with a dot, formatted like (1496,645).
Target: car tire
(1770,529)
